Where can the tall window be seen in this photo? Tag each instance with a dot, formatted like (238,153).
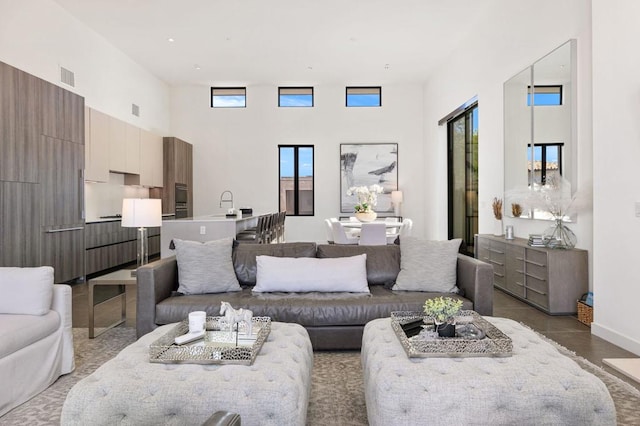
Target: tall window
(295,96)
(463,175)
(228,97)
(364,96)
(296,179)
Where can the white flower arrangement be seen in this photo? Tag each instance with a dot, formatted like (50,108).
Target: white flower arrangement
(442,309)
(554,198)
(367,197)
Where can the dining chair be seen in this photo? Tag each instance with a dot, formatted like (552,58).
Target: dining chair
(329,230)
(373,234)
(340,236)
(405,229)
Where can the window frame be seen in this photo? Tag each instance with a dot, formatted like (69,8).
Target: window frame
(346,96)
(543,158)
(296,178)
(544,89)
(213,89)
(296,88)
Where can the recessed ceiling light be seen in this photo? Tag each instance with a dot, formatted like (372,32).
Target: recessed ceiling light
(170,40)
(196,66)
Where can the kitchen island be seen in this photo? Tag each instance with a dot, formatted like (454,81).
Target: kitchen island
(202,228)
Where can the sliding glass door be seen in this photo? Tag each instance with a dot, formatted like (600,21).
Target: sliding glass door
(462,135)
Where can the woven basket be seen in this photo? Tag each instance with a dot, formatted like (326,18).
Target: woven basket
(585,313)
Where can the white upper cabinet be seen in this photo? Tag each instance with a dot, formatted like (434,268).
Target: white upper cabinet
(151,161)
(132,149)
(96,146)
(117,145)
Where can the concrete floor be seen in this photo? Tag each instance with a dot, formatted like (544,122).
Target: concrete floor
(566,330)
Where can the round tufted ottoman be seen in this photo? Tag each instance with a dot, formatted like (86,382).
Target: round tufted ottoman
(130,390)
(536,386)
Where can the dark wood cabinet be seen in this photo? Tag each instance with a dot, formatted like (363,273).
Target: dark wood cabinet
(62,113)
(178,168)
(62,182)
(109,245)
(20,116)
(20,224)
(41,182)
(552,280)
(63,248)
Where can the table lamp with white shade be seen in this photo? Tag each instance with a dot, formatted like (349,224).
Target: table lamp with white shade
(141,213)
(396,199)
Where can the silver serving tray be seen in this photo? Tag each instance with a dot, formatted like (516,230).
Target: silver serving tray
(494,344)
(218,347)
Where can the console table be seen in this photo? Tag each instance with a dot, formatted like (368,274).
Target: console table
(120,278)
(551,280)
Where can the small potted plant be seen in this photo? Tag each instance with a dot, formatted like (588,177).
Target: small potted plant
(443,311)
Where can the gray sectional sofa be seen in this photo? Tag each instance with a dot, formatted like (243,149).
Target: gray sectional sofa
(333,320)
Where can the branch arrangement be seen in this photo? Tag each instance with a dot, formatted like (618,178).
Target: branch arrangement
(497,208)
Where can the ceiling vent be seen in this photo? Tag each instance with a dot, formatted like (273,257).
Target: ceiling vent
(67,77)
(135,110)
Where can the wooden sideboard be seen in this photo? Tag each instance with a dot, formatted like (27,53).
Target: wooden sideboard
(551,280)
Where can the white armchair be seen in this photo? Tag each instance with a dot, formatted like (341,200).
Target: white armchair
(35,331)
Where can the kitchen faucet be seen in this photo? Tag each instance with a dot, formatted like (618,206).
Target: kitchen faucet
(226,200)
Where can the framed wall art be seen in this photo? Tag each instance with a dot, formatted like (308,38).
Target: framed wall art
(365,164)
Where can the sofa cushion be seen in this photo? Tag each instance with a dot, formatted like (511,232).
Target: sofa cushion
(383,262)
(428,265)
(244,257)
(27,291)
(19,331)
(205,267)
(308,309)
(348,274)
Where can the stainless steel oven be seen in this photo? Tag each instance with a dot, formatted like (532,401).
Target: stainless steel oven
(181,209)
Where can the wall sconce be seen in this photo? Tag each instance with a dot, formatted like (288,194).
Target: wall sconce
(396,199)
(141,213)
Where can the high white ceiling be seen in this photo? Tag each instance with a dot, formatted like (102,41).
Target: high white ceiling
(285,41)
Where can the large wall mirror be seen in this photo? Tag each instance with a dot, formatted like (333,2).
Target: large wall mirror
(539,128)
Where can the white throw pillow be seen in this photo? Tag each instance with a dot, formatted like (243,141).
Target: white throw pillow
(27,291)
(428,265)
(304,274)
(205,267)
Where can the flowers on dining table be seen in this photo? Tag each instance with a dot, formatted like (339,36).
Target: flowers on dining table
(367,197)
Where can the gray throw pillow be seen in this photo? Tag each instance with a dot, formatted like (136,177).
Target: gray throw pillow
(205,267)
(428,265)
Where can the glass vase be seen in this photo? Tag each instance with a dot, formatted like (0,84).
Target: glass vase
(559,236)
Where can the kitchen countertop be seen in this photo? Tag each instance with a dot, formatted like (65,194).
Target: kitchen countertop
(214,218)
(165,216)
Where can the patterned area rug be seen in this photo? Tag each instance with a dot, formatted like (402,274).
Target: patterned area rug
(337,390)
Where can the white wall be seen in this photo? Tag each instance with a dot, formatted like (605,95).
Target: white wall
(481,68)
(236,149)
(39,36)
(616,146)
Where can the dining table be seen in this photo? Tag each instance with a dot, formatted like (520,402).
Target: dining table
(358,225)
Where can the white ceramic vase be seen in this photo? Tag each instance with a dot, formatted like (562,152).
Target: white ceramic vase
(497,228)
(366,216)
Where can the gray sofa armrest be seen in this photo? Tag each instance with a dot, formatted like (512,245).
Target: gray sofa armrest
(155,282)
(475,277)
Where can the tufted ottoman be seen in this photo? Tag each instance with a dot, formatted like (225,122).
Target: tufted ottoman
(130,390)
(537,385)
